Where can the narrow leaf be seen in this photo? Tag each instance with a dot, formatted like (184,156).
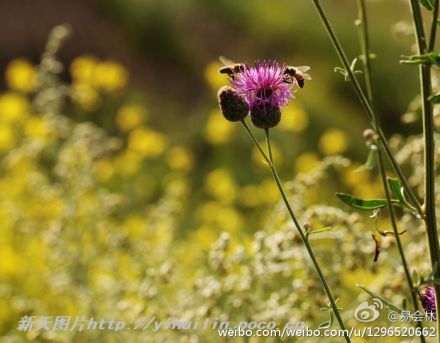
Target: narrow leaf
(353,64)
(342,72)
(361,204)
(328,228)
(370,163)
(386,302)
(435,99)
(325,325)
(428,4)
(431,58)
(415,277)
(398,191)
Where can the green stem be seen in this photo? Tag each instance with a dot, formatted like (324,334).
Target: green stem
(434,26)
(412,289)
(298,227)
(256,142)
(306,241)
(367,106)
(428,136)
(362,24)
(366,62)
(266,130)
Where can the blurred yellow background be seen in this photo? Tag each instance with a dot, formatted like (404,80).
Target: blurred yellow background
(124,194)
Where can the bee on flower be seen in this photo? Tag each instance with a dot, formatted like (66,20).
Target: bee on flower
(261,90)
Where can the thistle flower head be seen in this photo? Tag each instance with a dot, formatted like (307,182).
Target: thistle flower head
(427,298)
(263,86)
(232,105)
(265,117)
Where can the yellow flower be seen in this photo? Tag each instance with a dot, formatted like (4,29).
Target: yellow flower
(135,226)
(229,219)
(36,127)
(226,218)
(249,196)
(130,116)
(179,158)
(220,184)
(353,176)
(306,162)
(82,69)
(9,262)
(103,169)
(127,163)
(85,96)
(268,192)
(218,130)
(13,107)
(214,79)
(21,75)
(333,141)
(208,211)
(294,118)
(7,138)
(205,236)
(110,76)
(146,142)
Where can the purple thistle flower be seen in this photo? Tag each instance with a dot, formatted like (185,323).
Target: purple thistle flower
(427,298)
(263,86)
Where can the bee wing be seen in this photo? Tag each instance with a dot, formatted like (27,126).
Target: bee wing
(307,77)
(226,61)
(303,69)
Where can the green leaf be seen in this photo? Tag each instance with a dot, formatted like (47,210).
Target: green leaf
(361,204)
(328,228)
(344,73)
(386,302)
(431,58)
(325,325)
(435,99)
(398,192)
(428,4)
(397,189)
(353,64)
(370,163)
(415,277)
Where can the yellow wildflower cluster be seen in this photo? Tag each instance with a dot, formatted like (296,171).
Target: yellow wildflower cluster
(91,77)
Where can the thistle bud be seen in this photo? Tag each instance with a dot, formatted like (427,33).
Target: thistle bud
(232,105)
(427,298)
(265,117)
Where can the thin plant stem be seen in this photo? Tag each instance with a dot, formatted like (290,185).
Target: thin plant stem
(367,107)
(302,234)
(305,240)
(428,137)
(434,26)
(362,24)
(412,289)
(256,142)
